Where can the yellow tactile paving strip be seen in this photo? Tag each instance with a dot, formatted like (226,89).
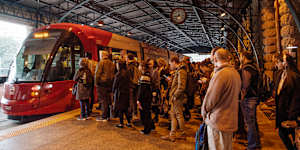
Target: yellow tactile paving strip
(19,130)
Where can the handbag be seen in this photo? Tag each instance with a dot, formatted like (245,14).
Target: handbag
(74,89)
(201,138)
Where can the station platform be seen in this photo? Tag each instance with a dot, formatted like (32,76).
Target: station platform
(64,132)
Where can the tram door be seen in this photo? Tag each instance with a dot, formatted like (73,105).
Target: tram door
(57,90)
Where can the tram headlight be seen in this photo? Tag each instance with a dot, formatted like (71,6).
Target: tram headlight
(36,88)
(35,94)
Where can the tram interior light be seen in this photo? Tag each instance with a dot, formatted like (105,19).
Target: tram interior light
(41,35)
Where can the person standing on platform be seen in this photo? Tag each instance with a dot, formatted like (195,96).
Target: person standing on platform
(134,78)
(155,87)
(145,98)
(104,75)
(121,93)
(220,105)
(178,96)
(287,100)
(84,80)
(250,98)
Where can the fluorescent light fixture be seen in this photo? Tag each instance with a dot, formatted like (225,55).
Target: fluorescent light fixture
(223,14)
(292,47)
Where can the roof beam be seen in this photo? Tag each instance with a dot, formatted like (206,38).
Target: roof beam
(113,10)
(172,24)
(203,28)
(151,33)
(75,7)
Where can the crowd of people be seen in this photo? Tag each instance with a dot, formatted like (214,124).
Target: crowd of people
(228,91)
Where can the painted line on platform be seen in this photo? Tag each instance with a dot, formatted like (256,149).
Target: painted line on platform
(19,130)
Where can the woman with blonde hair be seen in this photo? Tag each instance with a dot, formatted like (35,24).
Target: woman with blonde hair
(84,80)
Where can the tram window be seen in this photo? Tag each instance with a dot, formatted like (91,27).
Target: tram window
(132,52)
(61,67)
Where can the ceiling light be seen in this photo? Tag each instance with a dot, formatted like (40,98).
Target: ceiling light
(292,47)
(100,23)
(223,14)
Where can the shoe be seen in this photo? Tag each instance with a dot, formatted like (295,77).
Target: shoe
(119,126)
(81,118)
(181,136)
(129,125)
(168,138)
(143,132)
(101,119)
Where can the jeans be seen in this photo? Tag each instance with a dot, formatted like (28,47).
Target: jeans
(249,111)
(84,106)
(105,100)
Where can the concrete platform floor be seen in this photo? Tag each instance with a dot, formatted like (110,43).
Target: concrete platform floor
(64,132)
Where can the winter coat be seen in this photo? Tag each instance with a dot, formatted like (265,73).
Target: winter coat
(104,74)
(220,105)
(288,100)
(145,91)
(178,87)
(84,80)
(121,90)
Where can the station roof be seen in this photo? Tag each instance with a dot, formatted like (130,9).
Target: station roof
(146,20)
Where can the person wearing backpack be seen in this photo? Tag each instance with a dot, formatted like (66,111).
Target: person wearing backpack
(250,98)
(134,79)
(104,75)
(177,98)
(84,80)
(145,98)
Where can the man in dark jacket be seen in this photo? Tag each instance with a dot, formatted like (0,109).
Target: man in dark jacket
(249,98)
(287,100)
(177,98)
(104,78)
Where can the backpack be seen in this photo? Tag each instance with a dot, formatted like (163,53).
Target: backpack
(135,74)
(263,89)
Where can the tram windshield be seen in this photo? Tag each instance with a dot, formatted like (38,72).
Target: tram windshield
(31,60)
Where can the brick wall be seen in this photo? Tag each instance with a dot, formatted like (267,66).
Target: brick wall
(288,29)
(269,34)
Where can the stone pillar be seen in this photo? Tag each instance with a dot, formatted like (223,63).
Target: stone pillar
(290,36)
(269,34)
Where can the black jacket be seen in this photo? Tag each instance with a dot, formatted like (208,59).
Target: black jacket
(288,101)
(121,90)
